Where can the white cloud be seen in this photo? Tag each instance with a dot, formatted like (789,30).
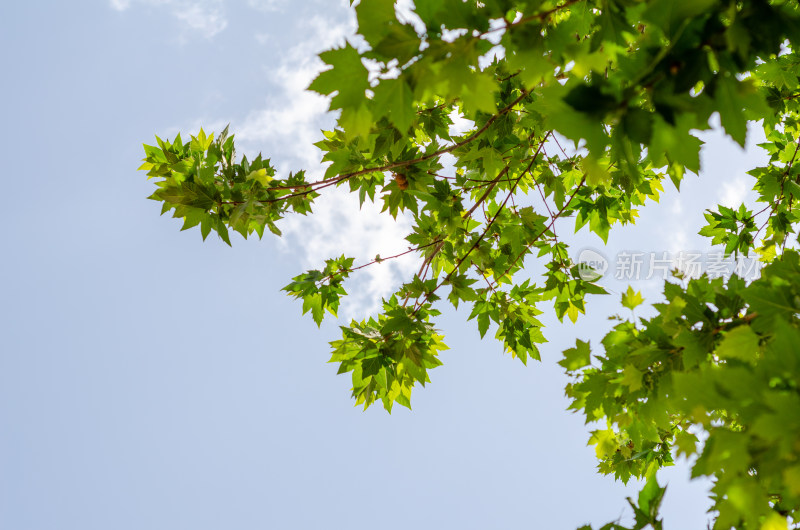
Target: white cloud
(120,5)
(285,130)
(673,224)
(460,124)
(290,123)
(678,237)
(206,17)
(734,192)
(338,226)
(267,5)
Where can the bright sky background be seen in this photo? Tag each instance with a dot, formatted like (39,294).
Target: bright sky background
(152,381)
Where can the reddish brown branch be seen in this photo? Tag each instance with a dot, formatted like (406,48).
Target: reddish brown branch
(486,229)
(552,222)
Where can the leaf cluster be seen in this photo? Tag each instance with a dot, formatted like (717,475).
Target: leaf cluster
(578,112)
(719,363)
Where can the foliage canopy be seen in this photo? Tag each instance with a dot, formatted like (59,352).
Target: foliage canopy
(624,82)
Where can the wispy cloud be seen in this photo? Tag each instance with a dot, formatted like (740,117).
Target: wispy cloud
(285,129)
(206,17)
(291,120)
(338,226)
(120,5)
(734,192)
(268,5)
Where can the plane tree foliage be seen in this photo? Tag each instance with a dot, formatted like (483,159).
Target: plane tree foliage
(580,112)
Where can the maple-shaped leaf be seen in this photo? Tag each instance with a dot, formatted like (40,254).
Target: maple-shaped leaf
(632,377)
(348,77)
(631,298)
(576,357)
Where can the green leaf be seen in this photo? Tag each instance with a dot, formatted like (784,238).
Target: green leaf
(631,299)
(347,77)
(261,176)
(573,124)
(649,503)
(395,96)
(577,357)
(739,343)
(676,143)
(478,94)
(596,175)
(731,108)
(401,43)
(605,442)
(686,442)
(483,323)
(632,378)
(373,18)
(773,521)
(371,366)
(356,121)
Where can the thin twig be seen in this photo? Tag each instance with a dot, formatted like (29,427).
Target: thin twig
(485,230)
(406,163)
(552,222)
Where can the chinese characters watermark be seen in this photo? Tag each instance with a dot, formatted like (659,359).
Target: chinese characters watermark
(633,265)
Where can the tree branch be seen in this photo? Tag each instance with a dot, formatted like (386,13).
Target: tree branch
(552,222)
(406,163)
(486,229)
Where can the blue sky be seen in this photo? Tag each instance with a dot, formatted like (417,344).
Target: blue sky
(150,380)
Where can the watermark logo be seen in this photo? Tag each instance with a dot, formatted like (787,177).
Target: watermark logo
(633,265)
(591,265)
